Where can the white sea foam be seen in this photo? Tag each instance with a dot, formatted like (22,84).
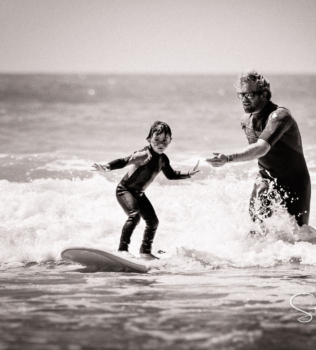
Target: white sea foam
(203,224)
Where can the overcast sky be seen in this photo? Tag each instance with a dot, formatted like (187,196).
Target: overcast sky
(158,36)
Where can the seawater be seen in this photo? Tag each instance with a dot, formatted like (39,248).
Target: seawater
(211,283)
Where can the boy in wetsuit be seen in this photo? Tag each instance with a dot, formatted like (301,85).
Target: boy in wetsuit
(130,192)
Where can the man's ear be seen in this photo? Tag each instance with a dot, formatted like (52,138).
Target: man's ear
(264,95)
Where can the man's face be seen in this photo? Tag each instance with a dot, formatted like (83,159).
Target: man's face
(255,103)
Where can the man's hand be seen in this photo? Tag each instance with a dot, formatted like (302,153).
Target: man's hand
(100,167)
(219,159)
(194,170)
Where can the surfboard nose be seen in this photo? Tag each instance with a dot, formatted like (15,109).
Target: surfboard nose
(106,261)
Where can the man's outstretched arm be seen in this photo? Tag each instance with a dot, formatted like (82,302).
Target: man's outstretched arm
(253,151)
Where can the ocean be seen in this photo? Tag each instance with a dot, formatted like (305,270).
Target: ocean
(214,287)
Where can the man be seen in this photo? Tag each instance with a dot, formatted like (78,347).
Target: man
(274,139)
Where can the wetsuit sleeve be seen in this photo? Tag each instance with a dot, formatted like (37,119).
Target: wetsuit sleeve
(139,157)
(119,163)
(279,122)
(173,174)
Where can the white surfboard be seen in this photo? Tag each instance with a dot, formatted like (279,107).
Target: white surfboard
(102,259)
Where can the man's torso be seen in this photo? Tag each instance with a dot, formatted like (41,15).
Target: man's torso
(285,160)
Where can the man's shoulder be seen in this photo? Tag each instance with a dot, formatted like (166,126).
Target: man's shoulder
(281,114)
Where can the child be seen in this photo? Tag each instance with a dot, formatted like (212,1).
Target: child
(130,192)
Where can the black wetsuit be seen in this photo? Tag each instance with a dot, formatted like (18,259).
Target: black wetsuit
(284,164)
(130,193)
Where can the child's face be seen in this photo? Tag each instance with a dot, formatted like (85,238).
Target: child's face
(159,142)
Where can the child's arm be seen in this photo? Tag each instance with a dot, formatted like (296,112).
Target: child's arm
(115,164)
(138,158)
(178,175)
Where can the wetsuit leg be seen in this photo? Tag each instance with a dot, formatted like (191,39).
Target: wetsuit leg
(259,206)
(147,212)
(128,202)
(297,203)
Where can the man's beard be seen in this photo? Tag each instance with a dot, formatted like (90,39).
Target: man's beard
(249,109)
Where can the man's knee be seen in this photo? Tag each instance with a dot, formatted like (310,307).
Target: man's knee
(260,191)
(260,200)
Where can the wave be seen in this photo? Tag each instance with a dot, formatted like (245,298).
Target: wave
(203,224)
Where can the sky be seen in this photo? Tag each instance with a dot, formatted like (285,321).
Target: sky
(157,36)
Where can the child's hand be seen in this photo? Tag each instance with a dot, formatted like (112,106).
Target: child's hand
(100,167)
(194,171)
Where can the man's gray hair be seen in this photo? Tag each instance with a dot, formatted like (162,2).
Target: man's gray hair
(252,76)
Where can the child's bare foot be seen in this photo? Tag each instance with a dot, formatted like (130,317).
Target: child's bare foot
(148,256)
(125,254)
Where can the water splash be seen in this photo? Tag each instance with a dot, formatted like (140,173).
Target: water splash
(203,224)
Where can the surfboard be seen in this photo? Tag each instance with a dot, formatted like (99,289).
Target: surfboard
(103,260)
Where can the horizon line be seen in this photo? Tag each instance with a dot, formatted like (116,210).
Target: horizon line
(148,73)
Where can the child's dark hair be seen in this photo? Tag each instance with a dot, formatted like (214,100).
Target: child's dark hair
(159,128)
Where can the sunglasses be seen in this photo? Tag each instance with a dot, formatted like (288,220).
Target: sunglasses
(248,95)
